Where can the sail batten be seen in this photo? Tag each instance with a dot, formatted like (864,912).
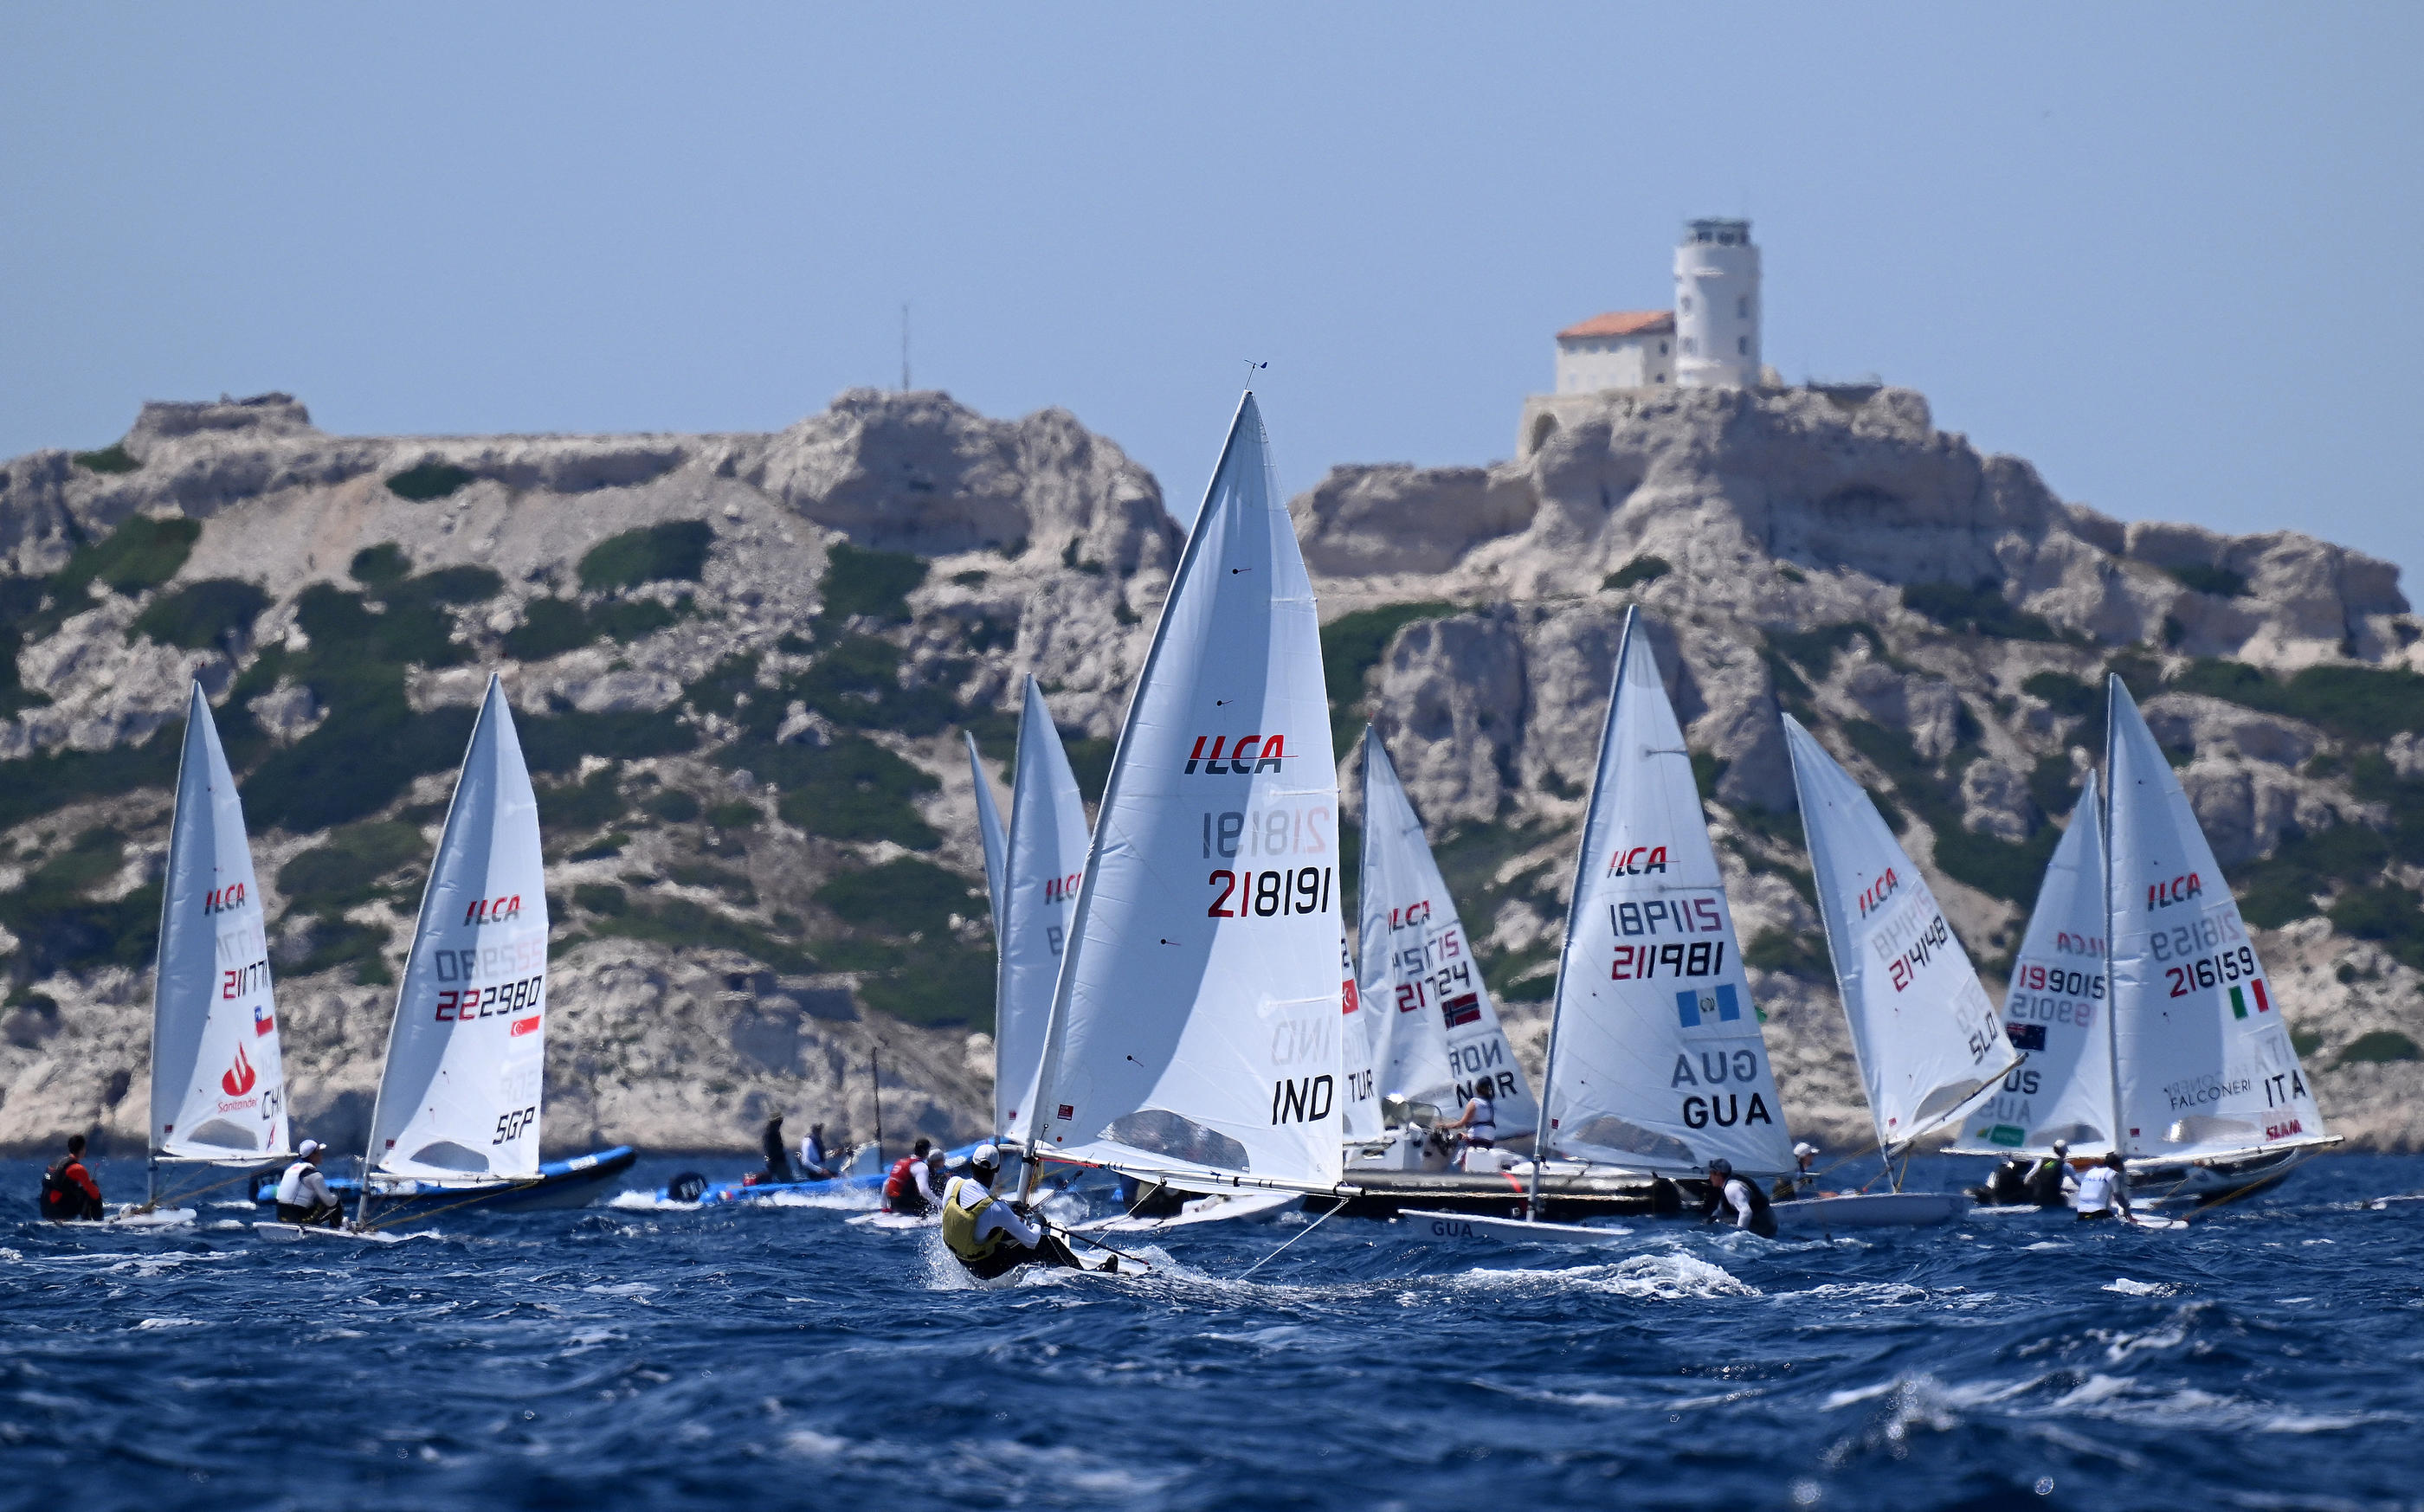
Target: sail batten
(2203,1068)
(218,1080)
(459,1095)
(1656,1061)
(1196,1021)
(1044,857)
(1923,1031)
(1434,1029)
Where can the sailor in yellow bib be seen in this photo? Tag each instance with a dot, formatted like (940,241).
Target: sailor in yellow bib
(986,1234)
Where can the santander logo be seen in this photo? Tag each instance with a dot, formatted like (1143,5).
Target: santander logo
(238,1078)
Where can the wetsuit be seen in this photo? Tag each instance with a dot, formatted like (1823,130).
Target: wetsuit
(991,1238)
(69,1194)
(1749,1203)
(778,1160)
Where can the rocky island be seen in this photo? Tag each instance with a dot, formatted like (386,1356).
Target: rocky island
(743,664)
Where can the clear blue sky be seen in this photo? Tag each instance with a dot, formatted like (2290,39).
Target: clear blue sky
(2170,254)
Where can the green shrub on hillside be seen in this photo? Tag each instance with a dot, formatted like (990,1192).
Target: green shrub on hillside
(374,567)
(852,789)
(876,583)
(1815,650)
(593,804)
(601,897)
(111,458)
(901,898)
(2387,913)
(59,926)
(1351,646)
(1090,763)
(2067,696)
(1640,569)
(1792,954)
(674,552)
(549,627)
(2220,582)
(936,988)
(676,807)
(1979,609)
(330,943)
(142,553)
(344,870)
(2378,1047)
(688,926)
(212,612)
(2359,703)
(427,481)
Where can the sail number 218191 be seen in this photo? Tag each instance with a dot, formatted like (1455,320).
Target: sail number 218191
(1272,894)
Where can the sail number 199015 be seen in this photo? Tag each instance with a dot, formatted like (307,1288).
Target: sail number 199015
(1248,894)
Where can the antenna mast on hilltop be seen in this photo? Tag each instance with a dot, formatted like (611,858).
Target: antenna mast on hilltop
(904,347)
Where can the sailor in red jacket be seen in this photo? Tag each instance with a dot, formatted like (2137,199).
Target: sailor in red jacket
(68,1191)
(908,1186)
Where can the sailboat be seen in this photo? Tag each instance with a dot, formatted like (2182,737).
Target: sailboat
(456,1120)
(2208,1095)
(1434,1033)
(2145,1015)
(2057,1013)
(218,1085)
(1194,1037)
(1656,1065)
(1044,859)
(1923,1031)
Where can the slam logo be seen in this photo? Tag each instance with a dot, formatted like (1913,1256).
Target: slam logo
(2177,890)
(1636,861)
(485,911)
(1252,754)
(220,899)
(1874,895)
(238,1078)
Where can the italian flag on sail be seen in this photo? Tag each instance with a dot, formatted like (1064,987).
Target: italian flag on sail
(2238,999)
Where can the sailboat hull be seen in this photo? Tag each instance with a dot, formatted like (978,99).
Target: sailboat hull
(2202,1183)
(1565,1196)
(1871,1210)
(560,1184)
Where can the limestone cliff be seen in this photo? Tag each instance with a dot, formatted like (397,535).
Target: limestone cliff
(741,663)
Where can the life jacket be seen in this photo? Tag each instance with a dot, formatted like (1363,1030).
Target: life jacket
(63,1201)
(290,1186)
(960,1224)
(899,1182)
(1723,1207)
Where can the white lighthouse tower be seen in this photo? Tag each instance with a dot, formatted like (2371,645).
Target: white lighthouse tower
(1716,306)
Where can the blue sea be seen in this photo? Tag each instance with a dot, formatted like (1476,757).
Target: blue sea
(638,1356)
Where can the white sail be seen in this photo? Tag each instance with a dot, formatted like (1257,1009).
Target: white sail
(1195,1028)
(1360,1110)
(1655,1058)
(2205,1065)
(218,1087)
(1435,1032)
(988,829)
(2055,1012)
(1923,1028)
(465,1056)
(1047,854)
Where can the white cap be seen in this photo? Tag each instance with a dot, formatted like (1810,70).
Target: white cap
(986,1154)
(1804,1148)
(310,1147)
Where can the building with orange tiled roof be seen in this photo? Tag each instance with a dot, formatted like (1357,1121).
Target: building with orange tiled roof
(1621,349)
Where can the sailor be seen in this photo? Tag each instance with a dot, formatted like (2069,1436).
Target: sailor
(813,1156)
(990,1235)
(1802,1178)
(303,1195)
(908,1187)
(1478,1123)
(2104,1191)
(2049,1180)
(1749,1204)
(68,1192)
(2006,1186)
(779,1159)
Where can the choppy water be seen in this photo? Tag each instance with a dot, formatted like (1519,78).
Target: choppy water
(627,1357)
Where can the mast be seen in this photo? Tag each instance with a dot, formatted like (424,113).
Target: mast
(2112,999)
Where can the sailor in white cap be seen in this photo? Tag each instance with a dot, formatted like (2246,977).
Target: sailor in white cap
(1802,1180)
(987,1234)
(303,1195)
